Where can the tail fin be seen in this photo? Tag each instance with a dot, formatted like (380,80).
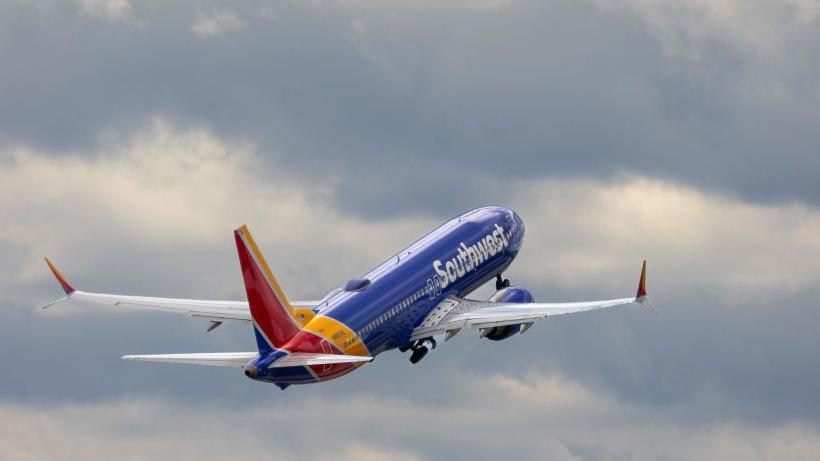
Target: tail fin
(273,316)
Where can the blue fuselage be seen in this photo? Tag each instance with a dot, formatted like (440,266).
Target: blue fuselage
(452,260)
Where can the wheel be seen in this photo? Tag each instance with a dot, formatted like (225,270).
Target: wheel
(418,354)
(500,283)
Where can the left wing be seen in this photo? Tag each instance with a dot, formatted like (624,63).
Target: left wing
(215,311)
(453,314)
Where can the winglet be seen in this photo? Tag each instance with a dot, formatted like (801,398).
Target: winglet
(63,282)
(642,282)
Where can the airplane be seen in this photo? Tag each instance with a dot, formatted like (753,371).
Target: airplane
(417,294)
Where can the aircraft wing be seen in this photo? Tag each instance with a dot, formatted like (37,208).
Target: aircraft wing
(454,314)
(215,311)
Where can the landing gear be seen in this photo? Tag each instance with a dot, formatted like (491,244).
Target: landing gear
(419,349)
(418,354)
(500,283)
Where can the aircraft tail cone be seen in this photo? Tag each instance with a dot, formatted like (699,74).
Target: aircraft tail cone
(251,371)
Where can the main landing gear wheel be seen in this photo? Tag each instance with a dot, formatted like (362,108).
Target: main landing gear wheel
(418,354)
(500,283)
(420,350)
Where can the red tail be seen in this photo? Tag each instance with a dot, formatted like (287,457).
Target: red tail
(271,312)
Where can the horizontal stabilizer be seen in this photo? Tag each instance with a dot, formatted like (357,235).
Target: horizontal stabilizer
(301,359)
(215,359)
(241,359)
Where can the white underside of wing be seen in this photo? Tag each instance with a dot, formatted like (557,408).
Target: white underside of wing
(216,359)
(453,314)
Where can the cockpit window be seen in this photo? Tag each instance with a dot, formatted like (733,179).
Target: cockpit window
(357,284)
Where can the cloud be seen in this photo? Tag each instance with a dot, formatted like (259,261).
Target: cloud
(745,254)
(112,11)
(165,187)
(681,132)
(179,189)
(539,417)
(405,97)
(216,22)
(151,211)
(757,29)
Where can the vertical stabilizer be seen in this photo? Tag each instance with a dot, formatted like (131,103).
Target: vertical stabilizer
(273,316)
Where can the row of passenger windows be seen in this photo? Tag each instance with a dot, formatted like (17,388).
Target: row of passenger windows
(392,312)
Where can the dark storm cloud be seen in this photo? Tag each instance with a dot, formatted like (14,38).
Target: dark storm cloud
(422,108)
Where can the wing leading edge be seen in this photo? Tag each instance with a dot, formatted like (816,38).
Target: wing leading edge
(454,314)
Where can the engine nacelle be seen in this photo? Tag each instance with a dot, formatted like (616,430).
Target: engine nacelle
(507,295)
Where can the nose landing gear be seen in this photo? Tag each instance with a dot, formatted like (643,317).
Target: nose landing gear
(500,283)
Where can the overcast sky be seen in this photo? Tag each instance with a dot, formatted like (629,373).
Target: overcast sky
(135,136)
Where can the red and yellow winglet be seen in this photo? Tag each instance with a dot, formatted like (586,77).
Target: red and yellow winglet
(642,282)
(63,282)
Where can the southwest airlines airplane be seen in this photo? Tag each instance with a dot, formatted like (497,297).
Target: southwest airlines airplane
(403,303)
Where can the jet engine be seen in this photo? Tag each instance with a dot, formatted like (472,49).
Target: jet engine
(506,295)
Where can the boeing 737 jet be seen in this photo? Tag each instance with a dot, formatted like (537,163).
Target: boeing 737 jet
(403,303)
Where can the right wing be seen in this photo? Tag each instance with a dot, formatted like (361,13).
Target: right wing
(454,314)
(215,311)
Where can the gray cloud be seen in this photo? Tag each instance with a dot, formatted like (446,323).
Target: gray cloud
(132,146)
(571,423)
(153,215)
(409,97)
